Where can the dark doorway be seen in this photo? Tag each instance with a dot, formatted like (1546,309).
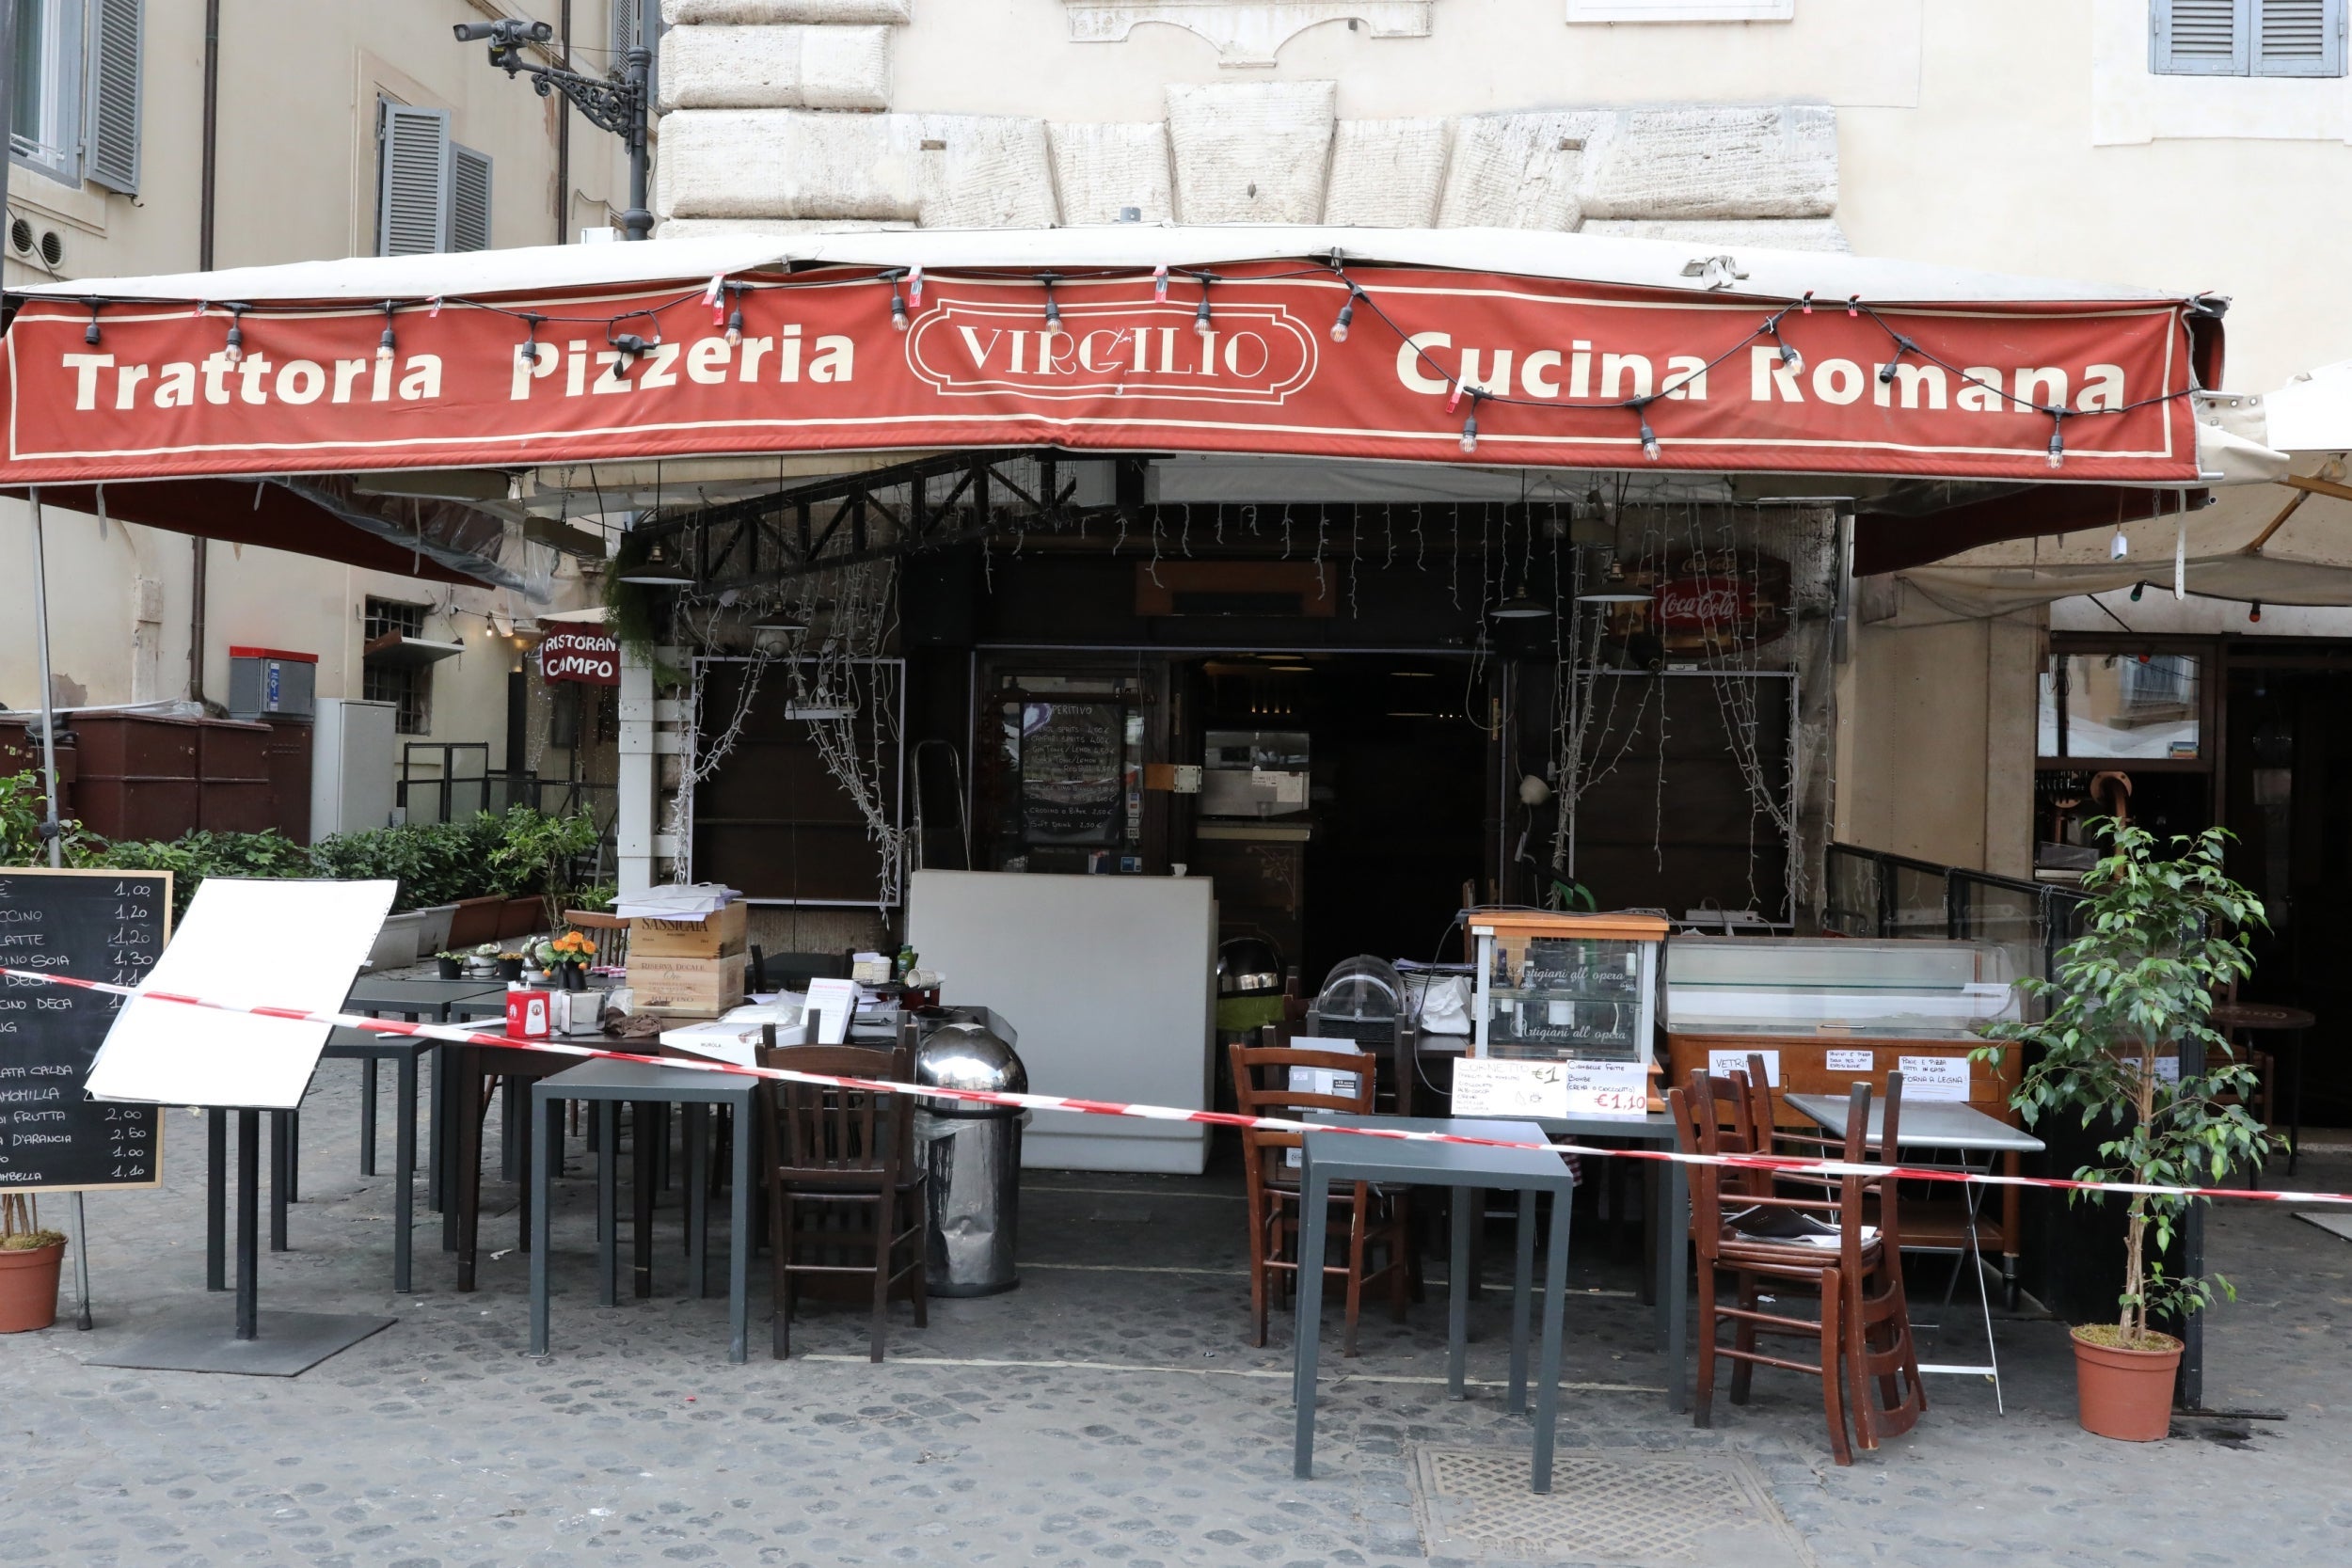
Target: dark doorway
(1399,798)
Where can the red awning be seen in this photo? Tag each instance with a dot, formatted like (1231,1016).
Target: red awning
(1438,364)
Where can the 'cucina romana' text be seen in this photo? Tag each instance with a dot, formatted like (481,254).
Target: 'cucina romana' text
(577,368)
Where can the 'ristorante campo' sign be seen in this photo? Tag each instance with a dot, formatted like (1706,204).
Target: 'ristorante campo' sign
(818,364)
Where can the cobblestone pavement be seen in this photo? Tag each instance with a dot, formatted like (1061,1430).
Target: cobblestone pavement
(1108,1412)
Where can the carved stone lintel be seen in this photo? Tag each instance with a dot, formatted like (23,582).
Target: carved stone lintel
(1246,32)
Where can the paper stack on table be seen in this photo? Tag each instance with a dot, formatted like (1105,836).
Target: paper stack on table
(676,901)
(736,1037)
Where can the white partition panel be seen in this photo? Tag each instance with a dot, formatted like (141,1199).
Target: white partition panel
(1111,981)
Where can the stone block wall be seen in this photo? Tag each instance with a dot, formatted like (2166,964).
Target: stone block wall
(777,115)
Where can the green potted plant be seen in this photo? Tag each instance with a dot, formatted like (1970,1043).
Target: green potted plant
(451,966)
(29,1258)
(510,964)
(2162,932)
(535,855)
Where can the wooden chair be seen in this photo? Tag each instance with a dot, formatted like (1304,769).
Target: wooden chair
(830,1153)
(1800,1244)
(1371,1214)
(1878,1307)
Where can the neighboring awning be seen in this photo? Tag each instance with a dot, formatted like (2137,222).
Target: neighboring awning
(400,650)
(1473,348)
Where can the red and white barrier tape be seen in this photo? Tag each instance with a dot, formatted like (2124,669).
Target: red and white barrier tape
(458,1035)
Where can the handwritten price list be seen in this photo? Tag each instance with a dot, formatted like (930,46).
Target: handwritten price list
(94,926)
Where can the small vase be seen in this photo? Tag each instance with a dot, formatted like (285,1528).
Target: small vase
(451,969)
(2125,1394)
(575,978)
(28,1288)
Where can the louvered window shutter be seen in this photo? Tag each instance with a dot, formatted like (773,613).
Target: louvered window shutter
(628,18)
(117,28)
(413,201)
(2201,37)
(468,199)
(2298,38)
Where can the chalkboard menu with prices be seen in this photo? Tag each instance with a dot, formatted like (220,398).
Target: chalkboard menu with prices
(107,925)
(1074,774)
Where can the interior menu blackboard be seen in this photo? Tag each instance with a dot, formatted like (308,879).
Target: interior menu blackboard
(1073,772)
(95,926)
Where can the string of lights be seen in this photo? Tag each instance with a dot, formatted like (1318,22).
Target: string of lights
(725,298)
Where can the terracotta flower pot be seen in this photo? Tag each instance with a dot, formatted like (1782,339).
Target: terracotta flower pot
(2125,1394)
(28,1287)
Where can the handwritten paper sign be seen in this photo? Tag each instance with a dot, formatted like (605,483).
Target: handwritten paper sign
(1484,1086)
(1853,1061)
(1936,1078)
(1722,1064)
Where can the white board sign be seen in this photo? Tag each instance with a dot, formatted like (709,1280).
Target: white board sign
(286,945)
(1722,1064)
(1853,1061)
(1484,1086)
(1943,1079)
(1607,1088)
(835,1002)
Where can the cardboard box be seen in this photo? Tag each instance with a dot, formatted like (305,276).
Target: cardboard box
(711,937)
(687,987)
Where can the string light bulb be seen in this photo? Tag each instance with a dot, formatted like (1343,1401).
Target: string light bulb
(1159,285)
(2136,589)
(898,305)
(1650,449)
(1347,315)
(387,344)
(2254,610)
(1469,429)
(1052,311)
(1201,316)
(234,351)
(1790,357)
(527,352)
(89,333)
(735,322)
(2058,449)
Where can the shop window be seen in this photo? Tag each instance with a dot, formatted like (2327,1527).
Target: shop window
(2121,706)
(2246,38)
(432,194)
(407,687)
(74,90)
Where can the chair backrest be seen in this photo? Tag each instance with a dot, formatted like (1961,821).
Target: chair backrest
(1255,1096)
(822,1135)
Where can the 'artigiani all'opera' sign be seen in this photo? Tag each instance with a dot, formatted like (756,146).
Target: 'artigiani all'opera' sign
(1546,373)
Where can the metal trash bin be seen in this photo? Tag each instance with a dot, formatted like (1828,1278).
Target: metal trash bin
(972,1155)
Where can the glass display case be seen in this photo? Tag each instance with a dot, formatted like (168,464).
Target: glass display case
(1817,986)
(1565,987)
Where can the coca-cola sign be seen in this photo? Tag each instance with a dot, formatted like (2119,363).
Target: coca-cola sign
(589,657)
(1705,604)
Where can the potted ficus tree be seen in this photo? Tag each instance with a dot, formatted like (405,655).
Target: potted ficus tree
(29,1256)
(2163,930)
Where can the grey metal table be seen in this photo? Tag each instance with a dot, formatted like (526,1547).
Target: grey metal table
(609,1086)
(1670,1221)
(403,1051)
(1965,1131)
(1333,1158)
(419,1002)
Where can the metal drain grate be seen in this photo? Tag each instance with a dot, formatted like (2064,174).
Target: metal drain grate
(1625,1509)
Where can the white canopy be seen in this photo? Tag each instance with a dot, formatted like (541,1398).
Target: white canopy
(1646,263)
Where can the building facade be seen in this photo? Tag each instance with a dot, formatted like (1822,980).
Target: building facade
(161,138)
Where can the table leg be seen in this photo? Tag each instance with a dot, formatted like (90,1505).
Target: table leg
(405,1174)
(1674,1247)
(1555,1316)
(698,1198)
(464,1142)
(2295,1102)
(216,1199)
(526,1125)
(608,1222)
(294,1155)
(550,1114)
(740,1241)
(249,1222)
(514,1123)
(1457,1291)
(437,1155)
(279,1179)
(644,1163)
(1306,1335)
(1522,1283)
(367,1116)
